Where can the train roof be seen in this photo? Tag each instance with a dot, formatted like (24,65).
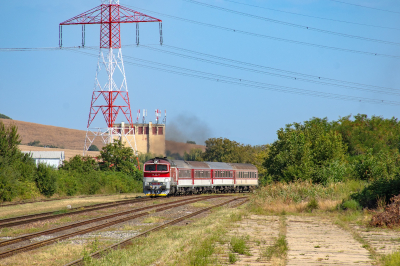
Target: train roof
(212,165)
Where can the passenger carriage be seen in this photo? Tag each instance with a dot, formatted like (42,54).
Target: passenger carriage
(164,177)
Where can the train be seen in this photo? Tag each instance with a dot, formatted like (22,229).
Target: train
(165,177)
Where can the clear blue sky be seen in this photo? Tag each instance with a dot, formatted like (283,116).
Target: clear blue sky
(54,87)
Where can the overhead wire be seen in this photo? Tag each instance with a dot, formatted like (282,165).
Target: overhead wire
(38,49)
(375,54)
(347,3)
(241,82)
(296,78)
(272,68)
(292,24)
(310,16)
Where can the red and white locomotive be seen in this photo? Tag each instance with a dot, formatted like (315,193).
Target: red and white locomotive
(164,177)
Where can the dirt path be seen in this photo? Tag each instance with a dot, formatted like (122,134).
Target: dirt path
(313,241)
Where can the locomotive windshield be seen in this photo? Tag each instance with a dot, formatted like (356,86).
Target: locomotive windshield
(156,167)
(150,167)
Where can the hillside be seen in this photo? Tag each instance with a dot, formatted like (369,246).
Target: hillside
(72,139)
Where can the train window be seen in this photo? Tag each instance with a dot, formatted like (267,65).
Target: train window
(184,173)
(162,167)
(150,167)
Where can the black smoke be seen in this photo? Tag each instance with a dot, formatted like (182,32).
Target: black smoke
(187,128)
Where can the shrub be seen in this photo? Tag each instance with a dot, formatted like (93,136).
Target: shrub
(350,205)
(46,180)
(4,117)
(93,148)
(380,189)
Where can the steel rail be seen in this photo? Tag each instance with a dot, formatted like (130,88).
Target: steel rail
(9,222)
(11,252)
(46,200)
(128,242)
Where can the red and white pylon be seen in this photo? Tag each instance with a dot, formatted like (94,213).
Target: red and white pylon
(110,95)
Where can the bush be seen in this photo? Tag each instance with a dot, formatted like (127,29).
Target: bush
(350,205)
(4,117)
(381,189)
(93,148)
(46,180)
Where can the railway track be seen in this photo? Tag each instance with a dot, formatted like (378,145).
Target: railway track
(47,200)
(26,219)
(128,242)
(159,208)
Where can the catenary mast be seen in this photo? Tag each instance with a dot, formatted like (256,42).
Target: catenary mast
(110,94)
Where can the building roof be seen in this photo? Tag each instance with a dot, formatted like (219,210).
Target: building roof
(46,154)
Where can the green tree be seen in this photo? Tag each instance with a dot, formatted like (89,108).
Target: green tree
(4,117)
(93,148)
(46,180)
(308,151)
(193,155)
(116,157)
(80,164)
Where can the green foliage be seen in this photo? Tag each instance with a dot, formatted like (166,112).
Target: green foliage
(278,249)
(116,157)
(382,189)
(46,179)
(191,142)
(391,259)
(17,170)
(312,205)
(80,164)
(93,148)
(239,245)
(4,117)
(232,258)
(193,155)
(308,151)
(350,205)
(36,143)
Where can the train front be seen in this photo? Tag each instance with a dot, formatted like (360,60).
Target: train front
(156,177)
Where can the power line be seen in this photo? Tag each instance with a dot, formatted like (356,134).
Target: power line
(385,10)
(275,69)
(38,49)
(310,16)
(292,24)
(270,37)
(296,78)
(241,82)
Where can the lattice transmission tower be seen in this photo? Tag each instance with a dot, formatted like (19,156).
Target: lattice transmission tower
(110,94)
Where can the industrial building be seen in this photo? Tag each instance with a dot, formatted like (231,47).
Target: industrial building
(150,138)
(50,158)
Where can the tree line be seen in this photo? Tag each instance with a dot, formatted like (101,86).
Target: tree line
(114,171)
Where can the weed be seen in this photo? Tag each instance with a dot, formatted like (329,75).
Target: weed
(278,249)
(391,260)
(232,258)
(312,205)
(317,246)
(239,245)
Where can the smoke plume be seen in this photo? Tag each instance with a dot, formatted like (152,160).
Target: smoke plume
(187,128)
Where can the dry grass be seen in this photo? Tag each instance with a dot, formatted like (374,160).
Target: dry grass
(176,245)
(38,207)
(58,254)
(68,153)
